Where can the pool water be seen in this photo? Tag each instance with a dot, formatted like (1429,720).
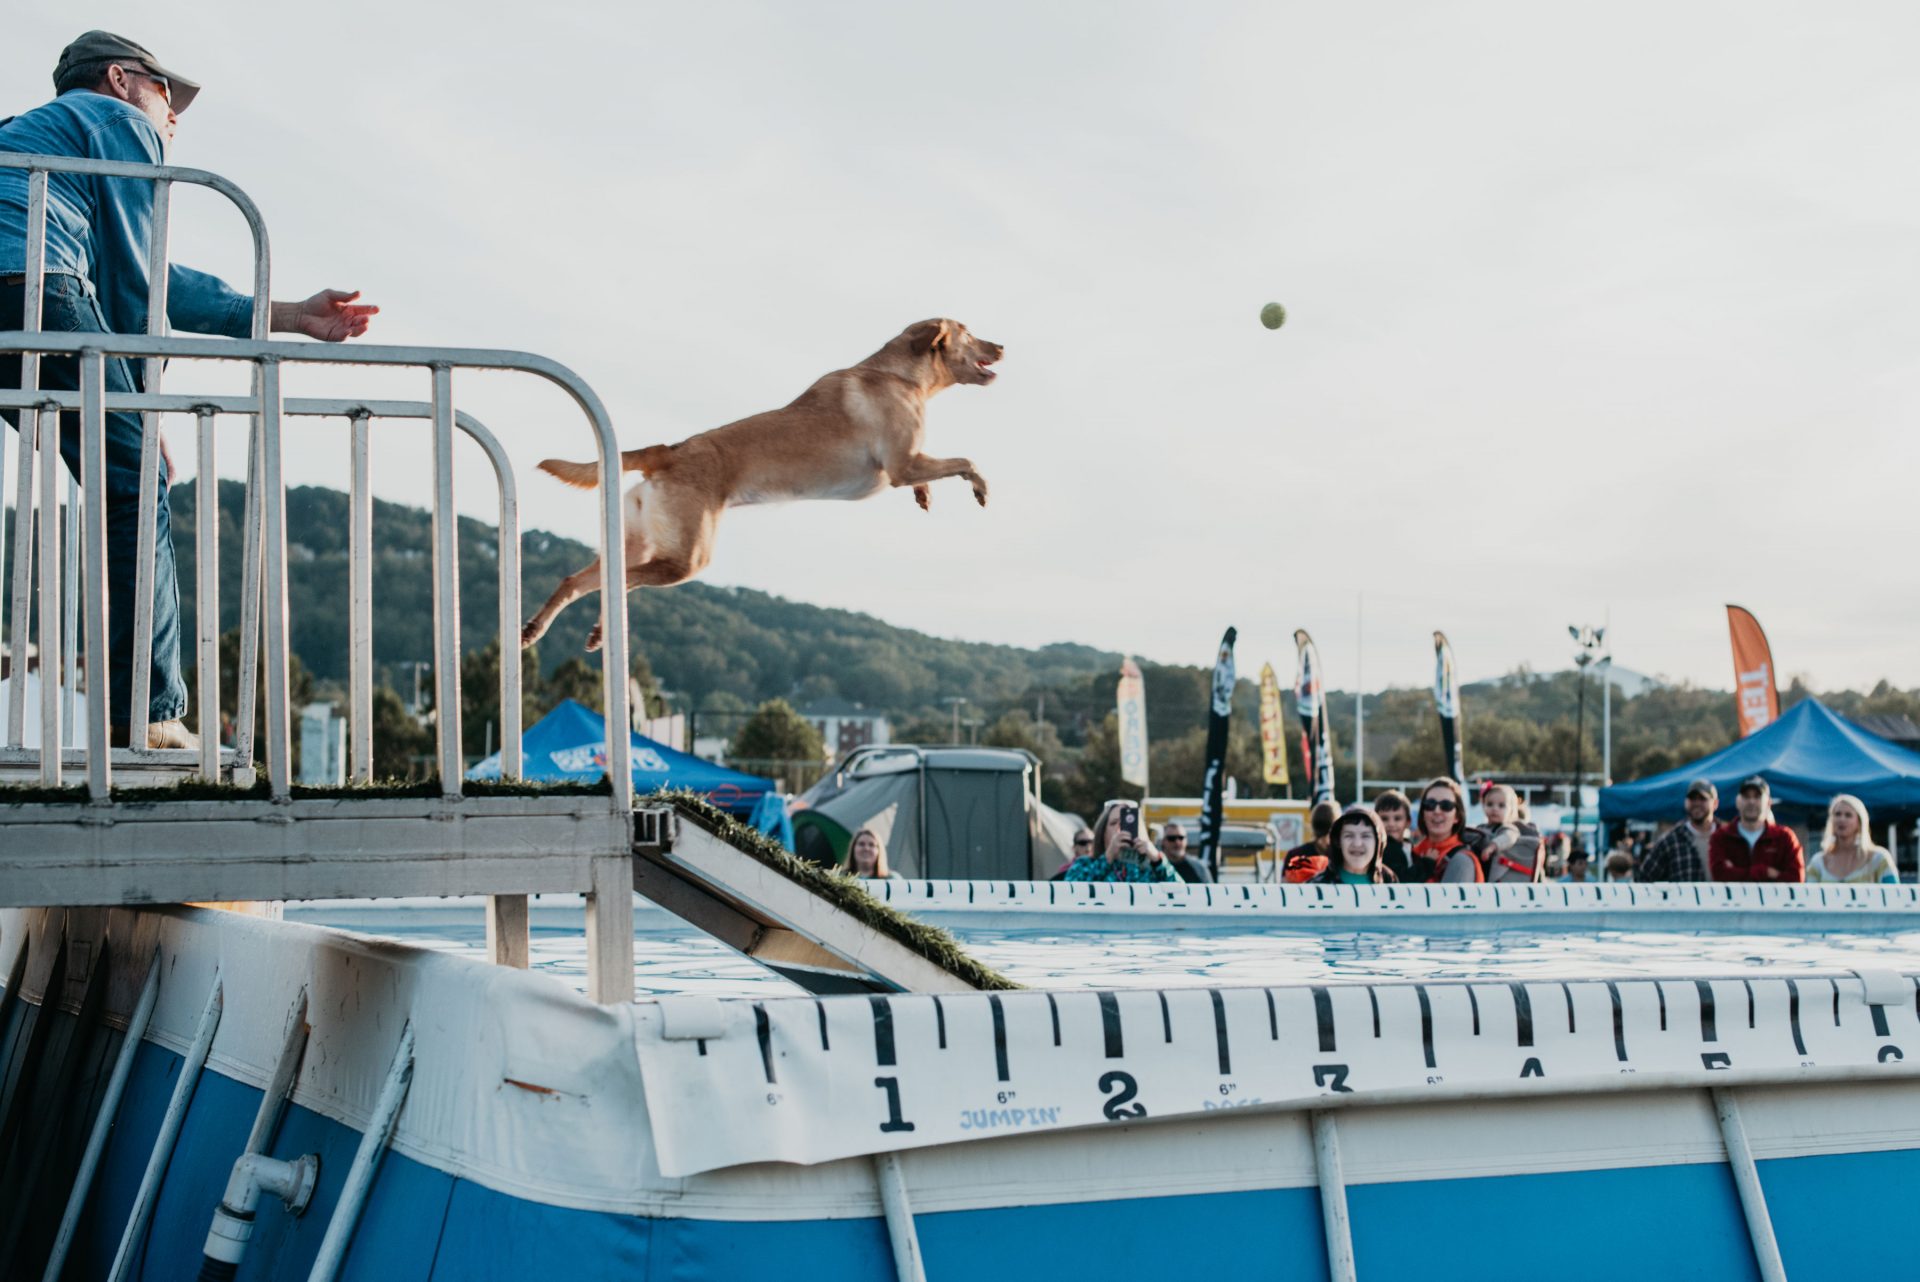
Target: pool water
(683,961)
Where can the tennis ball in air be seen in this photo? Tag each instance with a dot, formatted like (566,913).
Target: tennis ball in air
(1273,316)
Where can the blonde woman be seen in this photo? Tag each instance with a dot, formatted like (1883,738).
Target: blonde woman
(867,857)
(1847,853)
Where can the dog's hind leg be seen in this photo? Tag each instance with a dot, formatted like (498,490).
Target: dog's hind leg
(571,589)
(662,572)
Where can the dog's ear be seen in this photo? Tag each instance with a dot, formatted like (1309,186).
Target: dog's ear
(928,336)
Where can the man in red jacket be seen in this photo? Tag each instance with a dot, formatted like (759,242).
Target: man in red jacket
(1753,847)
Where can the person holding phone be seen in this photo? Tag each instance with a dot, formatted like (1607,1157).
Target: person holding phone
(1125,855)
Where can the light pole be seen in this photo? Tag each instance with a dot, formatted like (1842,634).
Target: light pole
(1589,639)
(1606,720)
(954,701)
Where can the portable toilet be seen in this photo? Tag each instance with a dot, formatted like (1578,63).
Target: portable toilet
(960,813)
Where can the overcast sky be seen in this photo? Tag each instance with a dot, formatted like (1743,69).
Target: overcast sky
(1596,312)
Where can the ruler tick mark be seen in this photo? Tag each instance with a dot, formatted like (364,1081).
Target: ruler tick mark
(1323,1018)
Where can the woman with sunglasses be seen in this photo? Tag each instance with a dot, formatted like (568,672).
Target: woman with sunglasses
(1358,840)
(1847,855)
(1082,849)
(1443,821)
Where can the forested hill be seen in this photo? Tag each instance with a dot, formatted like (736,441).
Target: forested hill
(700,640)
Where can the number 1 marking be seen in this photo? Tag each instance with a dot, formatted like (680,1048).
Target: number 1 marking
(894,1122)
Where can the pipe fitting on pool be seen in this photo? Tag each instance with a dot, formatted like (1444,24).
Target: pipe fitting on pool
(253,1174)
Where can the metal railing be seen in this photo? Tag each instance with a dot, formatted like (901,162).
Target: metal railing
(264,581)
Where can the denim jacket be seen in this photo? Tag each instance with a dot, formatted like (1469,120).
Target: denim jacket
(97,228)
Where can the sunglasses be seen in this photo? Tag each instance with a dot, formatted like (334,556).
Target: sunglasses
(1078,842)
(166,85)
(1178,839)
(1445,805)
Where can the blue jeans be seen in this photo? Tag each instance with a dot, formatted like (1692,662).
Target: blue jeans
(69,308)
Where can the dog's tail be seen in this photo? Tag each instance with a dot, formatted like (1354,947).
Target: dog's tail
(647,460)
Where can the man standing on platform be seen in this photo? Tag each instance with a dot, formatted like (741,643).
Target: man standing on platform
(1753,847)
(116,102)
(1681,852)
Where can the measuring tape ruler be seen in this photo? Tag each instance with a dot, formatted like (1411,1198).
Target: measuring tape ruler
(730,1081)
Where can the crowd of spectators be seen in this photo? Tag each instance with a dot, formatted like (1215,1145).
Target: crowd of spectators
(1399,840)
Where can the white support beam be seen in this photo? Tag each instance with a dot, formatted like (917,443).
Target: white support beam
(509,932)
(180,851)
(610,932)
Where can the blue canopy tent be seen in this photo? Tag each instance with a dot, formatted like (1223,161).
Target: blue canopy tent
(570,743)
(1806,756)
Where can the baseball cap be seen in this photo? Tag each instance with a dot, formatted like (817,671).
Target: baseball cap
(1702,788)
(1754,783)
(97,45)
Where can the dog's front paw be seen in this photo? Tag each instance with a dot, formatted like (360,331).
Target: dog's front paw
(980,489)
(530,632)
(593,638)
(923,495)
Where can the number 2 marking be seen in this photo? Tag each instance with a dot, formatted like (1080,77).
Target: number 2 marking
(1116,1108)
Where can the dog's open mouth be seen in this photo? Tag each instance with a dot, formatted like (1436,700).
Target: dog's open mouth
(986,369)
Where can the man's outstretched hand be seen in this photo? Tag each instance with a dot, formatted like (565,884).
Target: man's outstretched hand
(330,316)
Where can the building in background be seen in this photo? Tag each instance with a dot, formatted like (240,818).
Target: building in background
(844,726)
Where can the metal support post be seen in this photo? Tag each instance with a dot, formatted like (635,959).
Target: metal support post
(908,1264)
(104,1119)
(1746,1178)
(273,593)
(1333,1198)
(93,481)
(366,1161)
(157,1161)
(70,613)
(446,590)
(51,609)
(206,592)
(360,592)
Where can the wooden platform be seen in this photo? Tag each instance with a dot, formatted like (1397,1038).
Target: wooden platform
(129,852)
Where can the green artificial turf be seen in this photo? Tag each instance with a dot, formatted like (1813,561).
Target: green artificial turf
(844,892)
